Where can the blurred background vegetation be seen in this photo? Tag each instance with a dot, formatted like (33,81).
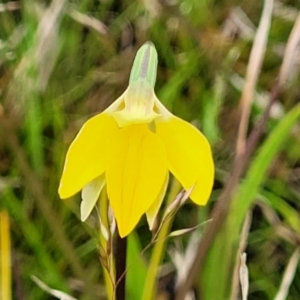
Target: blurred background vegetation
(62,62)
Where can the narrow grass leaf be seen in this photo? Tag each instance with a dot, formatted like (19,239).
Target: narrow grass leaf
(136,268)
(258,169)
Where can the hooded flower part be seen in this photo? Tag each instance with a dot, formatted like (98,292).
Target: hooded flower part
(130,148)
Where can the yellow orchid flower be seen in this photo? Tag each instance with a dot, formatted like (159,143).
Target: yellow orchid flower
(131,147)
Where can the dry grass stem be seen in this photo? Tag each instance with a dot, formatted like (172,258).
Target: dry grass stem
(9,6)
(238,23)
(282,230)
(288,276)
(286,12)
(55,293)
(240,254)
(41,57)
(253,70)
(290,65)
(88,21)
(244,277)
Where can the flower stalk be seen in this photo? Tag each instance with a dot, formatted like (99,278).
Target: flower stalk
(159,247)
(120,255)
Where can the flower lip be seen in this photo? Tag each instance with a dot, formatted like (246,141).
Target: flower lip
(139,100)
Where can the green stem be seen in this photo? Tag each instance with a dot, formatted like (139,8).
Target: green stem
(159,248)
(108,271)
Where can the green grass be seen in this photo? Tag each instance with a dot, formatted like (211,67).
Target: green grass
(51,82)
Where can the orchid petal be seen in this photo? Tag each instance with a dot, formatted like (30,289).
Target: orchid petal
(85,159)
(189,156)
(136,171)
(90,194)
(152,212)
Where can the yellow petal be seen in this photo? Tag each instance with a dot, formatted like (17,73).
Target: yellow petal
(85,159)
(90,194)
(189,156)
(136,171)
(152,212)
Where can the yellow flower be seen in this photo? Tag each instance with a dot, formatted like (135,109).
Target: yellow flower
(131,147)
